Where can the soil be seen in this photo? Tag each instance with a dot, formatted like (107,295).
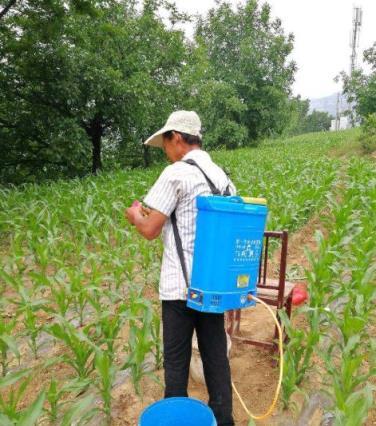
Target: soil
(254,373)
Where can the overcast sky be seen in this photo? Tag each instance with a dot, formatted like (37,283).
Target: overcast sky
(322,37)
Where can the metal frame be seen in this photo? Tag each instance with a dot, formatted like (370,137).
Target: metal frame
(277,293)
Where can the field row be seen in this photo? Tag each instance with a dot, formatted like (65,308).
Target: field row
(341,311)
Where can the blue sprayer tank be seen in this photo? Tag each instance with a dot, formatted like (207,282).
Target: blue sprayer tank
(227,251)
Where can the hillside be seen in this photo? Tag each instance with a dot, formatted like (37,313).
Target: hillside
(328,104)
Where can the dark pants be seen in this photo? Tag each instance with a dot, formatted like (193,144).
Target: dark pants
(179,321)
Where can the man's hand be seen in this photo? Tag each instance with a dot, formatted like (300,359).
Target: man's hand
(148,222)
(133,212)
(145,211)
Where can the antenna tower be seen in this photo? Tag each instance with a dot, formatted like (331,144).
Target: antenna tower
(354,40)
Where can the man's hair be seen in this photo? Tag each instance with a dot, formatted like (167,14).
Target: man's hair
(189,139)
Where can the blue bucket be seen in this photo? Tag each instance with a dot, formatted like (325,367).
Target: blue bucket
(177,411)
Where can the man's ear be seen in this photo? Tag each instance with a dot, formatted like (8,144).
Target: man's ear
(178,137)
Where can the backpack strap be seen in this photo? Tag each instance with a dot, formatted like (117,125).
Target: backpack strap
(213,188)
(179,246)
(227,192)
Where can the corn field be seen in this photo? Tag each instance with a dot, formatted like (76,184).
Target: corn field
(78,286)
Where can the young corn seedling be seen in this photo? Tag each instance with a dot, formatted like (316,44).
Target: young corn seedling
(40,248)
(156,337)
(302,344)
(10,414)
(80,412)
(78,342)
(140,342)
(56,396)
(61,296)
(78,292)
(8,343)
(294,355)
(106,375)
(18,253)
(27,309)
(107,328)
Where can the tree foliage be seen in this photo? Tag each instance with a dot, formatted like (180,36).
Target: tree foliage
(360,88)
(84,82)
(248,51)
(298,109)
(71,78)
(302,121)
(368,134)
(317,121)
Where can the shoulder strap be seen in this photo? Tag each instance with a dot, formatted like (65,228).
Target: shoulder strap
(179,247)
(213,188)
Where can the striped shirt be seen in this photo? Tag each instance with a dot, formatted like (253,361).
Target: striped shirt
(177,188)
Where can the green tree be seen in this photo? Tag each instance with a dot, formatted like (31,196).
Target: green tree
(71,77)
(216,101)
(298,110)
(360,88)
(248,51)
(368,134)
(317,121)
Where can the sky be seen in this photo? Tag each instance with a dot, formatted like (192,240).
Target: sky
(322,31)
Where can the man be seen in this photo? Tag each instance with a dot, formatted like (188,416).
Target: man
(176,190)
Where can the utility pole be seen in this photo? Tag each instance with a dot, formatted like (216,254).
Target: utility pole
(354,39)
(337,125)
(354,44)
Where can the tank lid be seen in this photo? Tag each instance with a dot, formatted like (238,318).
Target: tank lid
(252,200)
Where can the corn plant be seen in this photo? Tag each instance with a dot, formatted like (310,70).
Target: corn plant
(156,337)
(56,397)
(80,412)
(61,296)
(107,328)
(18,253)
(342,296)
(27,309)
(106,374)
(82,352)
(302,343)
(140,342)
(78,292)
(9,411)
(8,343)
(350,360)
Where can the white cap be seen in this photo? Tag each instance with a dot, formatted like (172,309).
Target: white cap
(180,121)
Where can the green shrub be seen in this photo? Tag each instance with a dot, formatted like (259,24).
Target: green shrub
(227,134)
(368,135)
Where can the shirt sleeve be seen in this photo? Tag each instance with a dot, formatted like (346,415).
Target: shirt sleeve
(164,194)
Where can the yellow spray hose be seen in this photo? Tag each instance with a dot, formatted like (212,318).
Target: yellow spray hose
(280,346)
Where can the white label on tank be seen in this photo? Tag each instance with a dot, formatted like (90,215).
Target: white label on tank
(247,250)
